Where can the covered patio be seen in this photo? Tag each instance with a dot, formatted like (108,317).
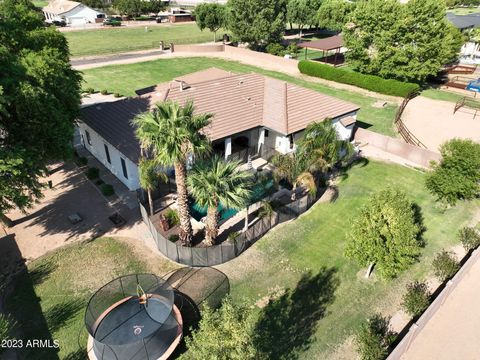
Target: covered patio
(326,46)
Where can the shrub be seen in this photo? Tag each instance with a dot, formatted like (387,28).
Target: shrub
(469,237)
(117,95)
(275,49)
(416,299)
(173,238)
(90,90)
(445,265)
(107,190)
(293,49)
(104,92)
(82,161)
(172,217)
(457,176)
(93,173)
(374,338)
(369,82)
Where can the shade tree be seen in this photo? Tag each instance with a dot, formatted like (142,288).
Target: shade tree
(210,16)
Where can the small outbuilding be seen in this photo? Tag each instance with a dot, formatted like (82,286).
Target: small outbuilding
(72,12)
(331,48)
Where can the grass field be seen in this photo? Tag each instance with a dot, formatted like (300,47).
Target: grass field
(50,301)
(114,40)
(308,252)
(124,79)
(445,95)
(325,296)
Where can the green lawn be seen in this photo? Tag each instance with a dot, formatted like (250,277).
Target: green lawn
(50,301)
(445,95)
(40,3)
(328,296)
(115,40)
(313,245)
(124,79)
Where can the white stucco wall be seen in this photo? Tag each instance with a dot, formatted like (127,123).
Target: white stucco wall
(345,133)
(79,15)
(97,149)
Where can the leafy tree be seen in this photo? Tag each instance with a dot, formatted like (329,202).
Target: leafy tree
(39,103)
(133,8)
(210,16)
(149,177)
(298,12)
(94,4)
(416,299)
(470,238)
(224,334)
(257,21)
(445,265)
(408,42)
(171,133)
(374,338)
(214,182)
(457,176)
(386,234)
(333,14)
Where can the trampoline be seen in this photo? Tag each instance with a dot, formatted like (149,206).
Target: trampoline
(474,85)
(133,317)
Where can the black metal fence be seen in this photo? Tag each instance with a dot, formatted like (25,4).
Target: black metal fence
(229,249)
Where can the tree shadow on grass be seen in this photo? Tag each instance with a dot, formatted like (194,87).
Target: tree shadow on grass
(287,325)
(42,272)
(59,314)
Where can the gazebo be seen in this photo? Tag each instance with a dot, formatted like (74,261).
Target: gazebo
(332,43)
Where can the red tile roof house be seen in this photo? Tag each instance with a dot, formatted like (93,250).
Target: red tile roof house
(254,115)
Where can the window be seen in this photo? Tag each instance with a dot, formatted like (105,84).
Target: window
(107,153)
(124,168)
(266,132)
(89,140)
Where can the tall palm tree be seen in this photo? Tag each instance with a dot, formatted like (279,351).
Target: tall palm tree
(214,182)
(321,145)
(171,133)
(149,177)
(295,170)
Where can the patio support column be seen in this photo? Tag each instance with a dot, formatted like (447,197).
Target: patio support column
(228,147)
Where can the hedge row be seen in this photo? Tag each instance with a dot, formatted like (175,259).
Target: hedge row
(369,82)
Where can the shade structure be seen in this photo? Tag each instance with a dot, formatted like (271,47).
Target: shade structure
(325,45)
(133,318)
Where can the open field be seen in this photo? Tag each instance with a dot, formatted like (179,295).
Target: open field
(50,301)
(124,79)
(445,95)
(328,295)
(313,246)
(116,40)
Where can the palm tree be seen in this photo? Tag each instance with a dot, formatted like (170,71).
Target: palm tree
(321,144)
(295,170)
(148,177)
(171,133)
(216,182)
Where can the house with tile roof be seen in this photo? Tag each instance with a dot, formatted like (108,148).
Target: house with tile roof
(254,117)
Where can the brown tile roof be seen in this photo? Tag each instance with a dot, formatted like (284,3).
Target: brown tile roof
(349,120)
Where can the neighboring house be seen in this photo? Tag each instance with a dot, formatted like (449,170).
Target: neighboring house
(464,22)
(72,12)
(254,116)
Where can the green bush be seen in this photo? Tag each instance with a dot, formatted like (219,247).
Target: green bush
(90,90)
(93,173)
(117,95)
(374,338)
(416,299)
(233,235)
(368,82)
(469,237)
(445,265)
(293,49)
(172,217)
(107,190)
(173,238)
(104,92)
(457,176)
(275,49)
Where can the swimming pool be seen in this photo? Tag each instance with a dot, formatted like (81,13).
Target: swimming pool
(259,191)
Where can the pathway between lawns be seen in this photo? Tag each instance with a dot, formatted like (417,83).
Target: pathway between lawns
(244,56)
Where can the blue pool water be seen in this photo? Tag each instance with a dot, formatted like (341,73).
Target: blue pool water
(258,193)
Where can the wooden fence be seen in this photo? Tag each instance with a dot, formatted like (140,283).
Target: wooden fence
(402,129)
